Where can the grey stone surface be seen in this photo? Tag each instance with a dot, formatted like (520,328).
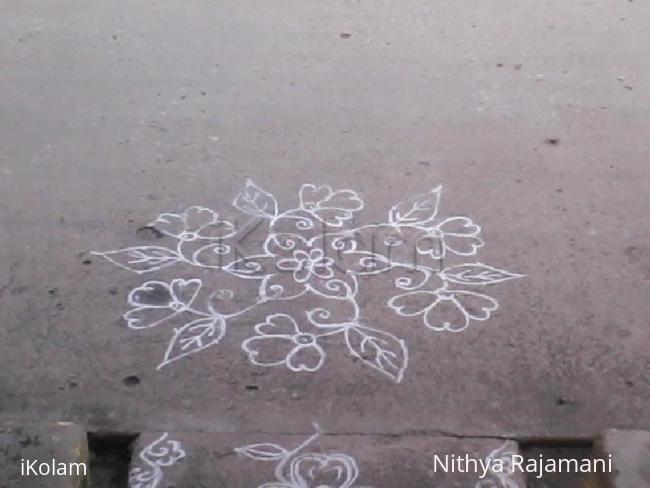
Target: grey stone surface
(532,115)
(250,460)
(56,445)
(630,451)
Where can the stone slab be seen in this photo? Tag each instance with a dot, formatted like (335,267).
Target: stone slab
(255,460)
(56,445)
(630,451)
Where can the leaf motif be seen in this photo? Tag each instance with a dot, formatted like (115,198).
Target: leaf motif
(378,349)
(256,201)
(476,274)
(419,209)
(141,259)
(193,337)
(263,452)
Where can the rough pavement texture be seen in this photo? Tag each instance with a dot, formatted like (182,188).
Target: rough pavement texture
(630,451)
(532,115)
(63,442)
(235,460)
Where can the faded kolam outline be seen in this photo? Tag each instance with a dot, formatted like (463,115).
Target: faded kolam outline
(161,453)
(296,469)
(503,478)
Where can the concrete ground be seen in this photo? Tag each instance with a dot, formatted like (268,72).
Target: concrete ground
(534,116)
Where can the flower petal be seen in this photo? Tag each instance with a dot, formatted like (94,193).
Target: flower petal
(169,223)
(462,226)
(412,303)
(431,244)
(477,306)
(221,229)
(310,195)
(322,270)
(145,317)
(151,294)
(334,217)
(302,273)
(197,217)
(330,207)
(288,264)
(271,350)
(278,324)
(460,235)
(185,291)
(343,199)
(334,470)
(306,358)
(315,254)
(446,314)
(462,245)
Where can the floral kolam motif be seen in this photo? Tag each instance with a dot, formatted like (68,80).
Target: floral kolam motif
(312,249)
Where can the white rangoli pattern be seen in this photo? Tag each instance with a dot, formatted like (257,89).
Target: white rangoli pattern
(304,470)
(310,469)
(161,453)
(296,468)
(312,249)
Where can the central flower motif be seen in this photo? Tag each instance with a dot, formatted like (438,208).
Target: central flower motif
(293,266)
(305,264)
(297,265)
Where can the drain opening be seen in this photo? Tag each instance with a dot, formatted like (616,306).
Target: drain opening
(110,455)
(559,450)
